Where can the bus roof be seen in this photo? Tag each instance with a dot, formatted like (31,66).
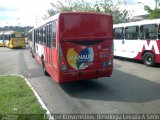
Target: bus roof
(144,22)
(55,17)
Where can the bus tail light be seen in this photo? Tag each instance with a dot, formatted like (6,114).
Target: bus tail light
(62,62)
(110,62)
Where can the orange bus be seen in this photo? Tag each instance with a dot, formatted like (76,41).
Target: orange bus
(74,46)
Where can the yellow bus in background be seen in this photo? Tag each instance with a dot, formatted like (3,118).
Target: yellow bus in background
(14,39)
(1,39)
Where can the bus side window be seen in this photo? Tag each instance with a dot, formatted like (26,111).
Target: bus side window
(48,35)
(141,34)
(44,35)
(131,32)
(9,36)
(38,36)
(53,37)
(36,40)
(149,31)
(119,33)
(159,32)
(41,35)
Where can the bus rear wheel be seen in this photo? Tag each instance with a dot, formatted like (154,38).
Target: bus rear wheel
(148,59)
(44,67)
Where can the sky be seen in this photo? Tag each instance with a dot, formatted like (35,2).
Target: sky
(30,12)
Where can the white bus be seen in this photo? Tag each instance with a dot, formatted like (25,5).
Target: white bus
(138,40)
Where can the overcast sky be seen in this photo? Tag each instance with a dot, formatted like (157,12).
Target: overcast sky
(28,12)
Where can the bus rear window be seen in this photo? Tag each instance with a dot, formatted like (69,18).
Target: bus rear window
(87,42)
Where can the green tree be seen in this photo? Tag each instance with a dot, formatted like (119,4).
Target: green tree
(153,13)
(119,15)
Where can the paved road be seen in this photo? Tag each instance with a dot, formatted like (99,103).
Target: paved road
(133,88)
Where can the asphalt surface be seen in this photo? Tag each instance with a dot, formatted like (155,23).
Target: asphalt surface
(133,87)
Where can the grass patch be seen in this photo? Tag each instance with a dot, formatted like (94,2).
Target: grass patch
(16,97)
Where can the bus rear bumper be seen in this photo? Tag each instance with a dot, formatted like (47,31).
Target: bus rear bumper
(84,75)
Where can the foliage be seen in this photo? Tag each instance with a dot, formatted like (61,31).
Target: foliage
(153,13)
(119,15)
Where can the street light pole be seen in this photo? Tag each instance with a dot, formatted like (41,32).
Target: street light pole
(18,24)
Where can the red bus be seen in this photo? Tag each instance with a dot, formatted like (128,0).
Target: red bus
(74,46)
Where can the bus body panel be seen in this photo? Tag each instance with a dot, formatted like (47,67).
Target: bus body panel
(85,57)
(149,45)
